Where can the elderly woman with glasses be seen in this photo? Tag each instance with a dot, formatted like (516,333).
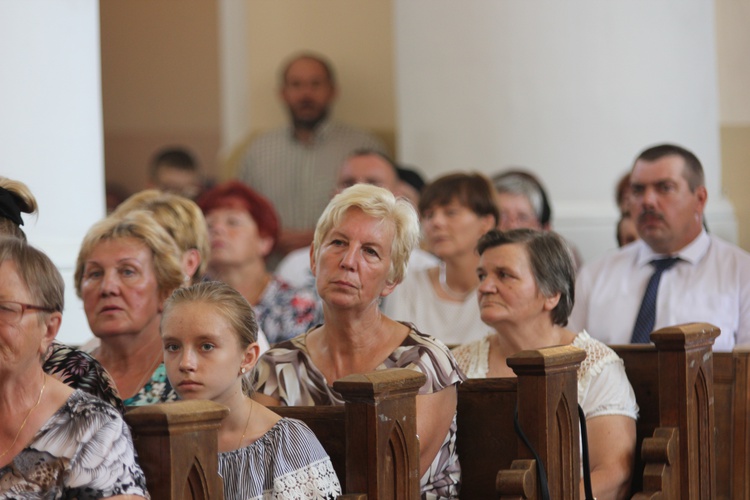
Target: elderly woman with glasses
(55,442)
(68,364)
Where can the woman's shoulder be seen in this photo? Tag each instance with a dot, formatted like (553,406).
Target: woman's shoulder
(473,358)
(598,354)
(80,370)
(428,355)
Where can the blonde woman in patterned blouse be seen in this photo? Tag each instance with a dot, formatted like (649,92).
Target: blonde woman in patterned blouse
(359,255)
(526,287)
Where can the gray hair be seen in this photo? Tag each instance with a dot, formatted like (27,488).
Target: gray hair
(522,183)
(36,270)
(381,204)
(551,261)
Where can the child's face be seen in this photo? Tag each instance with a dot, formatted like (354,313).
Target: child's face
(202,352)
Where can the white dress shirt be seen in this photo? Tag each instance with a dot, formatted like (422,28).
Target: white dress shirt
(711,284)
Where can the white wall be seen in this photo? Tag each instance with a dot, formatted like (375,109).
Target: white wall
(51,127)
(571,90)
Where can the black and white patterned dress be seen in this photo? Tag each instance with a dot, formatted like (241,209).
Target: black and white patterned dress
(288,374)
(84,451)
(287,462)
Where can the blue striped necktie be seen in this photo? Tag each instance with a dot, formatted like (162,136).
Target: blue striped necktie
(644,324)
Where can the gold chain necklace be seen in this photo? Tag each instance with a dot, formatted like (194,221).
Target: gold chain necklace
(247,423)
(23,424)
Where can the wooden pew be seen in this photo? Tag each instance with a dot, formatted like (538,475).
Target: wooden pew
(673,384)
(372,440)
(177,446)
(494,460)
(732,395)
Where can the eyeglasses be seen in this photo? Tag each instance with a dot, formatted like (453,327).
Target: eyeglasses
(11,312)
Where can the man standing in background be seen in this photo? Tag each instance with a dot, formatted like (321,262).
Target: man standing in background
(295,166)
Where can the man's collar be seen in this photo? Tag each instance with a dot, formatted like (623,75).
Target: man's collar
(693,252)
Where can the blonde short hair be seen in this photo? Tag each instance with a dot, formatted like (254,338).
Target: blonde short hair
(181,217)
(141,226)
(380,204)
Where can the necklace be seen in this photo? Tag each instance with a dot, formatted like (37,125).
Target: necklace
(247,423)
(443,280)
(23,424)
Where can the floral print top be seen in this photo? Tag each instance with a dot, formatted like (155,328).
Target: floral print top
(156,390)
(80,370)
(84,451)
(285,312)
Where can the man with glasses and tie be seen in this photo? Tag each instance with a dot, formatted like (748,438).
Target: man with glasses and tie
(676,273)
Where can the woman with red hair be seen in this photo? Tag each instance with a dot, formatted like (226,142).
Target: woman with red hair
(243,228)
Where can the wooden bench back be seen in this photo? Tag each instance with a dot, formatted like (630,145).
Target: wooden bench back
(673,384)
(177,446)
(493,458)
(372,441)
(732,395)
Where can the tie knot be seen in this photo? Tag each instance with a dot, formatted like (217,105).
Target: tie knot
(664,264)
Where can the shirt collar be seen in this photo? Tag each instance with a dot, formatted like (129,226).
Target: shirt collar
(693,252)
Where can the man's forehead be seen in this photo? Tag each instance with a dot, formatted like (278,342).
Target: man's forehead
(670,167)
(306,68)
(367,166)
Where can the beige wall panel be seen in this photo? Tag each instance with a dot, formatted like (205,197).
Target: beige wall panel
(356,36)
(733,60)
(127,155)
(160,83)
(735,152)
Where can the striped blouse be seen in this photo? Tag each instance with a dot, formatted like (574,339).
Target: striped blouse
(287,462)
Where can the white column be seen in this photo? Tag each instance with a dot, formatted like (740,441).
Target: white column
(572,90)
(51,127)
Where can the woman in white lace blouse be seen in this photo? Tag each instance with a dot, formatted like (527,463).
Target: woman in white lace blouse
(526,287)
(209,333)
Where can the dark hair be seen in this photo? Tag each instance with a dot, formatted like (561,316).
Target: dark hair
(15,199)
(324,63)
(372,152)
(474,191)
(528,185)
(412,178)
(551,263)
(176,157)
(259,208)
(693,171)
(622,191)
